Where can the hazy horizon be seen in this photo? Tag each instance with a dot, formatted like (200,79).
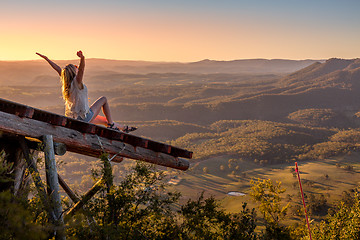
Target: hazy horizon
(174,61)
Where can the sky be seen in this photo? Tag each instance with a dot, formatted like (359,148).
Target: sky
(180,30)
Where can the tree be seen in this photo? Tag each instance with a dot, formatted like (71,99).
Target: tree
(267,195)
(203,219)
(318,206)
(137,208)
(141,208)
(16,221)
(344,223)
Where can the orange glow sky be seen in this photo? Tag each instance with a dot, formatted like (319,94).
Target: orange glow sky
(182,31)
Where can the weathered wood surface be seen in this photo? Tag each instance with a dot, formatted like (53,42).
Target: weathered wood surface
(68,190)
(24,111)
(86,143)
(53,185)
(36,144)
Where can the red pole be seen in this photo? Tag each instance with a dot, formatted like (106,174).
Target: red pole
(303,199)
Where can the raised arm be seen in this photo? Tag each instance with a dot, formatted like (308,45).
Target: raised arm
(52,64)
(80,74)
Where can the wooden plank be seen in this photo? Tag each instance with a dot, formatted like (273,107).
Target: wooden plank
(86,144)
(16,109)
(48,117)
(80,126)
(59,120)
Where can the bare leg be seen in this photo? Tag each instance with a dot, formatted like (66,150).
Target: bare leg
(96,107)
(99,120)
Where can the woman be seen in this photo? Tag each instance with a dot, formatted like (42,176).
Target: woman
(75,95)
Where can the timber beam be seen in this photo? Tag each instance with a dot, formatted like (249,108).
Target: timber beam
(86,143)
(24,111)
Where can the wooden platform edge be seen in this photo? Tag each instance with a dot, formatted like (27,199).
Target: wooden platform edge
(85,143)
(25,111)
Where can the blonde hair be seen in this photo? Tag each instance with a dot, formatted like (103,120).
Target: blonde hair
(67,76)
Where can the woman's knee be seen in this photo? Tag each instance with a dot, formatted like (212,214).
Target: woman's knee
(103,100)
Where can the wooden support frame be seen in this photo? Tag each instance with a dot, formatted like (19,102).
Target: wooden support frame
(78,137)
(68,190)
(37,144)
(14,154)
(37,180)
(97,186)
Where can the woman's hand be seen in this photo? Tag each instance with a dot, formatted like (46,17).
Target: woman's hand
(43,56)
(80,54)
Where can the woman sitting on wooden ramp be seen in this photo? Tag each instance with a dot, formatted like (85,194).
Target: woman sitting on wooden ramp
(75,95)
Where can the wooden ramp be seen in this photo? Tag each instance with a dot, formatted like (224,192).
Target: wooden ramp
(87,139)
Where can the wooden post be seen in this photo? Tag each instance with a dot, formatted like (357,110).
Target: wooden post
(11,147)
(53,185)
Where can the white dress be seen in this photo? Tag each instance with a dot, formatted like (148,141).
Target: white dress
(78,103)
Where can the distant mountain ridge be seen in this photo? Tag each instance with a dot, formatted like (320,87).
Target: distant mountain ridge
(333,84)
(22,72)
(248,66)
(335,72)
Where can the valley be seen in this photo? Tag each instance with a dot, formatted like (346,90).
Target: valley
(243,120)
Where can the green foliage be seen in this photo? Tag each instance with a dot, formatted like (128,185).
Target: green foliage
(140,208)
(313,116)
(267,195)
(317,205)
(266,141)
(348,136)
(276,232)
(270,142)
(327,149)
(202,219)
(344,223)
(6,179)
(16,221)
(137,207)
